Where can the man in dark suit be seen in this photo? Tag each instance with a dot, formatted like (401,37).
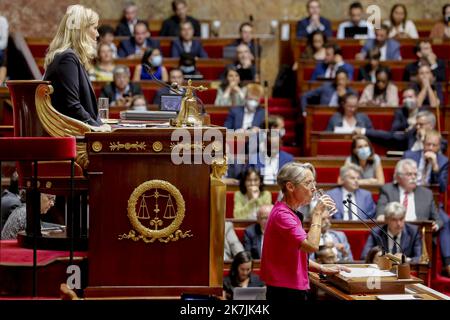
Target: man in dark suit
(348,179)
(171,26)
(125,28)
(425,54)
(246,37)
(332,63)
(313,22)
(10,199)
(407,235)
(175,76)
(389,48)
(186,43)
(254,234)
(121,90)
(135,47)
(405,116)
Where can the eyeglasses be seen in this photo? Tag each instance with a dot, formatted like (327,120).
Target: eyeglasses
(311,184)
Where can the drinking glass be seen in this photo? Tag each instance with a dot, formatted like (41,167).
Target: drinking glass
(103,108)
(318,194)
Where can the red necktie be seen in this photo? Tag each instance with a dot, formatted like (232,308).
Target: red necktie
(405,201)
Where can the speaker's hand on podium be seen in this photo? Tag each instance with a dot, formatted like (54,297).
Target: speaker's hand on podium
(103,128)
(333,269)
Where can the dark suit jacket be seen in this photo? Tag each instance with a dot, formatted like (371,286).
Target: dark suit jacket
(336,120)
(196,49)
(423,200)
(128,47)
(363,199)
(321,68)
(411,242)
(400,122)
(304,23)
(10,201)
(109,91)
(123,30)
(171,27)
(439,177)
(392,48)
(412,69)
(321,95)
(252,240)
(73,93)
(235,118)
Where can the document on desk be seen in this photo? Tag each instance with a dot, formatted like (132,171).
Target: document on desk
(366,272)
(398,297)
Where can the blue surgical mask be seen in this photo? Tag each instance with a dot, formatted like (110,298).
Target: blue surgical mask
(363,153)
(156,61)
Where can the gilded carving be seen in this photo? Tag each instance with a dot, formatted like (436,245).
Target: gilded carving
(157,146)
(97,146)
(161,208)
(187,146)
(219,167)
(117,146)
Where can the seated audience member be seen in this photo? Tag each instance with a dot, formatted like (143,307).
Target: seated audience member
(244,63)
(251,195)
(249,116)
(313,22)
(425,55)
(254,234)
(389,48)
(187,64)
(246,37)
(383,93)
(135,47)
(17,221)
(103,69)
(364,156)
(368,71)
(315,47)
(417,200)
(230,92)
(241,275)
(4,34)
(232,245)
(272,159)
(171,26)
(186,43)
(176,79)
(106,35)
(441,29)
(407,235)
(405,116)
(346,119)
(432,165)
(138,103)
(429,92)
(399,25)
(3,70)
(356,27)
(374,254)
(121,90)
(332,63)
(10,199)
(333,240)
(329,93)
(125,28)
(152,57)
(349,176)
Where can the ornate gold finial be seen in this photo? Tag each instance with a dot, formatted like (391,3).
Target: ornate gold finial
(189,112)
(424,258)
(219,167)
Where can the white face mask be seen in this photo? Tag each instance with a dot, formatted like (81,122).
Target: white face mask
(363,153)
(252,104)
(410,103)
(140,108)
(156,61)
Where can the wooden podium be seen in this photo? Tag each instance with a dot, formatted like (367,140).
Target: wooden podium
(155,228)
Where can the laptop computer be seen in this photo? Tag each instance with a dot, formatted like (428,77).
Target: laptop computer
(170,102)
(356,32)
(249,293)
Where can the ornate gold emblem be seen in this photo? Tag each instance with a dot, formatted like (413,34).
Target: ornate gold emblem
(219,167)
(151,197)
(157,146)
(187,146)
(116,146)
(97,146)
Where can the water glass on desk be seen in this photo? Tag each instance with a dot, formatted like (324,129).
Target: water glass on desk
(103,108)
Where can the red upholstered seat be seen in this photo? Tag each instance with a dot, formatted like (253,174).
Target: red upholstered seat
(37,148)
(357,239)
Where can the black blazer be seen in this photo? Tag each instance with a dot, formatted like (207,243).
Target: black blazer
(128,47)
(109,91)
(171,27)
(123,30)
(73,93)
(412,69)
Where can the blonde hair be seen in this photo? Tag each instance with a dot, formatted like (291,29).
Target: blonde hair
(294,172)
(73,34)
(255,89)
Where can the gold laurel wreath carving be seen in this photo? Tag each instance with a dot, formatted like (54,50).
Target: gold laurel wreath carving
(116,146)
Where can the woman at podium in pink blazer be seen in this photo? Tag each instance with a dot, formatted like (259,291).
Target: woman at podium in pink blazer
(286,245)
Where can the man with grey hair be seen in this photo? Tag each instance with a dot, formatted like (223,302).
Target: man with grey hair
(254,234)
(125,28)
(417,200)
(121,90)
(349,189)
(407,235)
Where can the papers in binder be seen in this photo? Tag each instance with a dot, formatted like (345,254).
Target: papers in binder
(366,272)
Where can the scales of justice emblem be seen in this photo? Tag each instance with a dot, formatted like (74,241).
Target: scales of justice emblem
(156,210)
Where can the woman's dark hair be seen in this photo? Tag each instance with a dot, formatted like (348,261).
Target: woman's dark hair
(309,42)
(374,54)
(376,91)
(336,48)
(148,52)
(354,157)
(443,11)
(240,258)
(244,175)
(342,100)
(391,17)
(104,30)
(372,254)
(339,71)
(225,82)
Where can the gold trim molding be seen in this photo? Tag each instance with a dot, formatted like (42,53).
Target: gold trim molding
(157,146)
(117,146)
(97,146)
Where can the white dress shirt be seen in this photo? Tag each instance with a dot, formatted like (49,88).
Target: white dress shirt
(248,119)
(187,45)
(3,33)
(330,73)
(411,210)
(383,50)
(391,242)
(270,170)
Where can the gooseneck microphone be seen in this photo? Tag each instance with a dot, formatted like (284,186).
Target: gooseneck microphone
(379,227)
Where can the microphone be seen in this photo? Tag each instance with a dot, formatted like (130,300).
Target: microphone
(379,227)
(379,240)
